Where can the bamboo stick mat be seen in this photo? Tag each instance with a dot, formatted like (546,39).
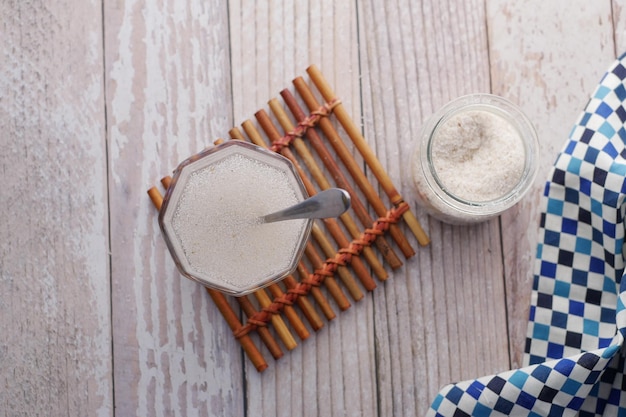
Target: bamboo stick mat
(343,255)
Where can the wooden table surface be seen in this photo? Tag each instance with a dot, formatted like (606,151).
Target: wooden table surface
(100,99)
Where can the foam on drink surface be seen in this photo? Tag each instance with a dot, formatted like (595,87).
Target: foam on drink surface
(217,221)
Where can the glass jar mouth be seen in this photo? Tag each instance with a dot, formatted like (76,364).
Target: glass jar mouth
(511,114)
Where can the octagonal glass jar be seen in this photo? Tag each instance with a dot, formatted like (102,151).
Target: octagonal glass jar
(210,218)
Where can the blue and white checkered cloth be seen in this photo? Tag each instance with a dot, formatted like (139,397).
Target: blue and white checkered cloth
(575,346)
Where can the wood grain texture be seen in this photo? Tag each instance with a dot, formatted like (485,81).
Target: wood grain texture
(550,74)
(168,96)
(55,343)
(332,373)
(618,12)
(100,99)
(447,303)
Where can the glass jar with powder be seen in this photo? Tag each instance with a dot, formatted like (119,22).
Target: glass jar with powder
(477,157)
(211,218)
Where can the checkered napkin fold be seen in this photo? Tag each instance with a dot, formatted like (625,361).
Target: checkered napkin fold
(575,346)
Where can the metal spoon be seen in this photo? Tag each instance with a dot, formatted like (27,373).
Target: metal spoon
(328,203)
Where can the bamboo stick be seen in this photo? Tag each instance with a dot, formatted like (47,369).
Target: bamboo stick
(277,321)
(222,305)
(349,162)
(155,197)
(235,133)
(264,332)
(330,282)
(342,271)
(368,155)
(320,237)
(344,274)
(233,322)
(335,291)
(272,132)
(317,294)
(166,181)
(290,313)
(346,156)
(279,324)
(305,305)
(331,224)
(329,251)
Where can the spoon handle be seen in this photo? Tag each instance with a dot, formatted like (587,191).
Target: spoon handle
(329,203)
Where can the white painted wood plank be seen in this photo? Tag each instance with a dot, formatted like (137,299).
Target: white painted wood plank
(448,303)
(55,348)
(332,373)
(618,12)
(548,63)
(168,96)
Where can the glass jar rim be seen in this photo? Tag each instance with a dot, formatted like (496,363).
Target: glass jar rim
(512,114)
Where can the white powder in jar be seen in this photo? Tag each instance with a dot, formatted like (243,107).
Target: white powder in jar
(217,221)
(478,156)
